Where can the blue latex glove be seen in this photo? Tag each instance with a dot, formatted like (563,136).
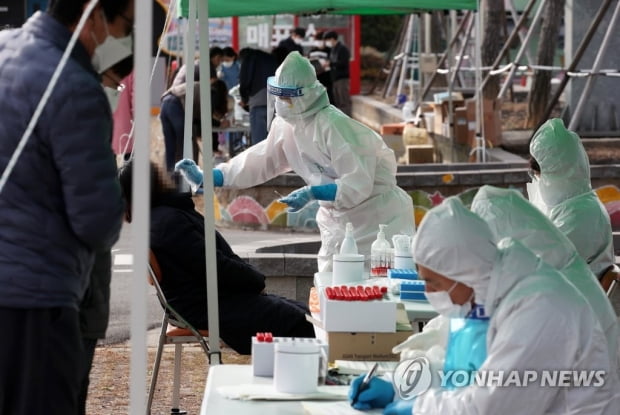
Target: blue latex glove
(325,191)
(379,393)
(400,407)
(218,178)
(298,199)
(190,171)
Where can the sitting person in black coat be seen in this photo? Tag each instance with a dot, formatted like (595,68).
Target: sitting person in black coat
(177,240)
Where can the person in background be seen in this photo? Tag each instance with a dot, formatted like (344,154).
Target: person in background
(532,310)
(122,135)
(319,57)
(293,42)
(256,67)
(339,57)
(562,190)
(177,241)
(509,214)
(215,59)
(62,202)
(346,165)
(229,67)
(172,117)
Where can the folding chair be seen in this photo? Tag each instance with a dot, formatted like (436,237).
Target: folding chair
(174,330)
(610,280)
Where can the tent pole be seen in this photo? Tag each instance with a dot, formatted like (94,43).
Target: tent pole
(576,58)
(509,42)
(598,61)
(140,203)
(513,14)
(190,54)
(528,36)
(215,357)
(429,83)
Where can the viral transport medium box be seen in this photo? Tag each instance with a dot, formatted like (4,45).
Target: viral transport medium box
(364,346)
(364,316)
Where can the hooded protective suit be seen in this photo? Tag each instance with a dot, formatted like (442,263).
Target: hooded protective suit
(324,146)
(508,214)
(538,321)
(566,194)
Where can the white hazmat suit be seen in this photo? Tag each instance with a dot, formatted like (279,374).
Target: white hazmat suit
(324,146)
(566,194)
(508,214)
(538,321)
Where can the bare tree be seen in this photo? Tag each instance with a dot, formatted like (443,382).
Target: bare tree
(541,85)
(493,40)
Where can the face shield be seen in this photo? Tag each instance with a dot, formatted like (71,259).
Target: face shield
(282,93)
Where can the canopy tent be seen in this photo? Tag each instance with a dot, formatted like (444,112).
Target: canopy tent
(228,8)
(205,9)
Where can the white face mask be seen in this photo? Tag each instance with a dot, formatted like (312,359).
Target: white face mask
(329,43)
(533,195)
(111,51)
(442,303)
(113,94)
(227,64)
(297,40)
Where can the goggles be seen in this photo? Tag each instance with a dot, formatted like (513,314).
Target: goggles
(283,91)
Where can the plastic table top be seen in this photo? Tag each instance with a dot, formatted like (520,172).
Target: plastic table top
(215,404)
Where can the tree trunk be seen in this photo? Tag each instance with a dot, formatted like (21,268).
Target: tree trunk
(493,40)
(540,91)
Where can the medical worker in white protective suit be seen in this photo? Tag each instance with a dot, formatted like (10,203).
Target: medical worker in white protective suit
(346,165)
(508,214)
(561,189)
(538,321)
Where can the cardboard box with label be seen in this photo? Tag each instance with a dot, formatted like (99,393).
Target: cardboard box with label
(365,346)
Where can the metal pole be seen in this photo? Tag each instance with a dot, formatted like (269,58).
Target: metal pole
(513,14)
(405,56)
(598,61)
(528,36)
(578,55)
(207,163)
(428,85)
(140,203)
(511,38)
(190,53)
(461,53)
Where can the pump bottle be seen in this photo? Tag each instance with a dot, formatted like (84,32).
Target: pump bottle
(380,255)
(348,244)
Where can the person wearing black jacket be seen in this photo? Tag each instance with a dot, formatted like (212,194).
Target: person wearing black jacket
(256,67)
(339,62)
(293,42)
(177,240)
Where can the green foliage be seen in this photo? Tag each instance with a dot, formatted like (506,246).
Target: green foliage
(381,32)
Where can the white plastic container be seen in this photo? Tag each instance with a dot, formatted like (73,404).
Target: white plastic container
(347,268)
(380,255)
(402,252)
(296,367)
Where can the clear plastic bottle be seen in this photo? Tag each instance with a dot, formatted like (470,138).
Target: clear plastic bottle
(348,243)
(380,255)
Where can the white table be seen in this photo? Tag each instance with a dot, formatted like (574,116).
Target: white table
(215,404)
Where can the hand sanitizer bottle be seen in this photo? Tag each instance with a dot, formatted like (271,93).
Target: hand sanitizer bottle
(380,255)
(348,244)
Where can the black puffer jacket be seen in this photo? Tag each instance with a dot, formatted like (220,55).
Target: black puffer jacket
(62,202)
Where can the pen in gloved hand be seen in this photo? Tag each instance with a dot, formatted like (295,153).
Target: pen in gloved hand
(365,383)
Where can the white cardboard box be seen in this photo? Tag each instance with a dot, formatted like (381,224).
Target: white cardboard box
(358,316)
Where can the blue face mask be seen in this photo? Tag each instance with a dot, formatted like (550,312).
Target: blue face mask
(467,343)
